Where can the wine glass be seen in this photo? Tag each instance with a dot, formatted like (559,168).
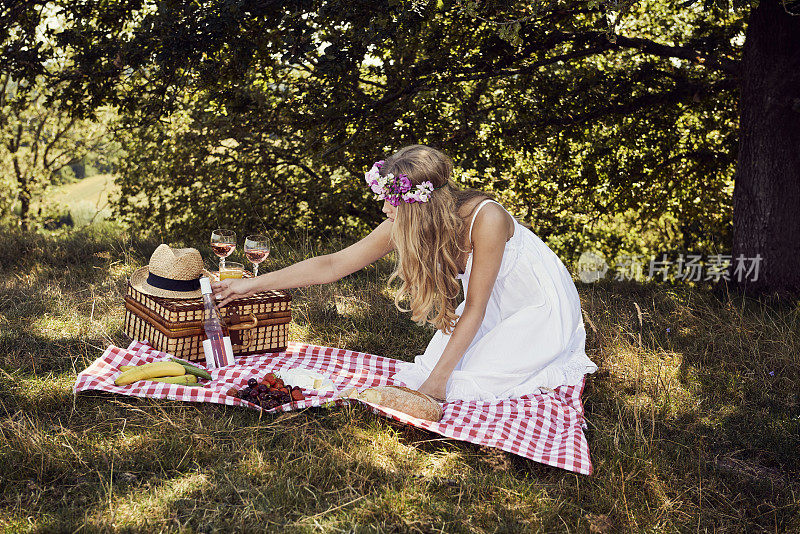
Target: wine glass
(256,248)
(223,242)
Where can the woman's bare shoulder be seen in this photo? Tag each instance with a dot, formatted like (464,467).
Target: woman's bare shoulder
(493,219)
(467,209)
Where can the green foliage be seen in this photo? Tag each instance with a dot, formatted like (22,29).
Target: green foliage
(258,115)
(64,175)
(274,126)
(39,144)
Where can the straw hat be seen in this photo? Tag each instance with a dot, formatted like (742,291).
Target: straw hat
(172,273)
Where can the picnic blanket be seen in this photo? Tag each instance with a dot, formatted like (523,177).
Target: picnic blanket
(546,427)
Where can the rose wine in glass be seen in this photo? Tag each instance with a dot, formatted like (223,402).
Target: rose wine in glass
(256,248)
(223,243)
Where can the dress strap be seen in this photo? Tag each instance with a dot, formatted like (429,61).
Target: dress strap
(482,204)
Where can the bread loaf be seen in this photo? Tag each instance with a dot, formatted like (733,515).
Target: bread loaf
(404,400)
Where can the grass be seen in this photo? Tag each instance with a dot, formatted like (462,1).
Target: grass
(94,190)
(694,419)
(86,200)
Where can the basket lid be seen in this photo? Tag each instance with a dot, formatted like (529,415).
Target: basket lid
(193,304)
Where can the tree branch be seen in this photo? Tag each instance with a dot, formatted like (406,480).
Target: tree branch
(626,108)
(55,139)
(602,43)
(3,91)
(728,66)
(575,54)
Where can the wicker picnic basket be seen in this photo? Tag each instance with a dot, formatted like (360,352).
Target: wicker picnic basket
(255,324)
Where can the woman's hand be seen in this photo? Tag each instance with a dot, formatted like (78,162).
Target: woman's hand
(435,386)
(233,288)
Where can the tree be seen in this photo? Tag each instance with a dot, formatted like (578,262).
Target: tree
(767,193)
(329,102)
(37,141)
(571,111)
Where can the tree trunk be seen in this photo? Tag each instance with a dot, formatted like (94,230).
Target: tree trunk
(766,196)
(24,210)
(24,194)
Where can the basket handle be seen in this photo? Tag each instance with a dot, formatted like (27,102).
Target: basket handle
(245,326)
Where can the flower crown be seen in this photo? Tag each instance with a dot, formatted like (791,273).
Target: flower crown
(396,189)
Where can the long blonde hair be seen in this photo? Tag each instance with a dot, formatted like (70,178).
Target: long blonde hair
(426,237)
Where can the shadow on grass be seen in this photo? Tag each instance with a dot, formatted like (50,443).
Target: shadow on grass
(688,387)
(26,352)
(150,465)
(693,419)
(358,313)
(74,258)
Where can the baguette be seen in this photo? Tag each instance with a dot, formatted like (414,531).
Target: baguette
(404,400)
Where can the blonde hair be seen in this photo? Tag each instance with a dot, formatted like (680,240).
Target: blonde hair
(426,237)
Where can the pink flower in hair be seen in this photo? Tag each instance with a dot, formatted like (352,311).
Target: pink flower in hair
(396,189)
(404,184)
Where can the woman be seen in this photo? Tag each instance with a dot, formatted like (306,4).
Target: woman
(519,327)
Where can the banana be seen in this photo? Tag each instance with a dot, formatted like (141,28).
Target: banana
(149,370)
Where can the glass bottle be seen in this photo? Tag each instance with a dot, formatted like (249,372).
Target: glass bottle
(217,346)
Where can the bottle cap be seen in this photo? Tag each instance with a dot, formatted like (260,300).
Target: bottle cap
(205,285)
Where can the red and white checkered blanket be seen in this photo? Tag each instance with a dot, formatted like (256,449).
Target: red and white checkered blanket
(546,427)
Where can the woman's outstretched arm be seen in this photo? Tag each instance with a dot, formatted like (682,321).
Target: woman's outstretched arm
(317,270)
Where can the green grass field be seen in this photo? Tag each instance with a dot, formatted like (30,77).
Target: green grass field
(87,200)
(93,190)
(694,419)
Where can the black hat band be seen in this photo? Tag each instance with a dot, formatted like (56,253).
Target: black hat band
(173,285)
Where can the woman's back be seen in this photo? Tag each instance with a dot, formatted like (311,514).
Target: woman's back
(532,334)
(469,212)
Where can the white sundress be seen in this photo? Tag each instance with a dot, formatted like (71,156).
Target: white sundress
(532,335)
